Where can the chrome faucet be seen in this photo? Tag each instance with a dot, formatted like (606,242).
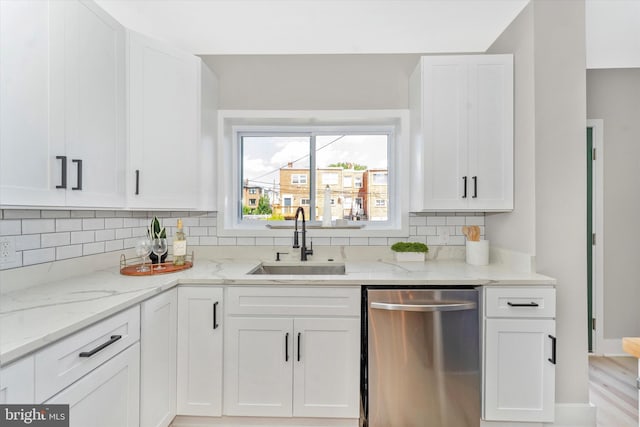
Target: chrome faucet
(303,249)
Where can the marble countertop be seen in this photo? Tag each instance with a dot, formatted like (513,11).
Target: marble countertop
(33,317)
(632,346)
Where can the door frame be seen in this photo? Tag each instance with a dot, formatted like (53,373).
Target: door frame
(600,345)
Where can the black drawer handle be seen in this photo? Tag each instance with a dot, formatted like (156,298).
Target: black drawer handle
(215,315)
(79,183)
(553,350)
(299,339)
(113,339)
(63,175)
(464,185)
(529,304)
(137,182)
(286,347)
(475,187)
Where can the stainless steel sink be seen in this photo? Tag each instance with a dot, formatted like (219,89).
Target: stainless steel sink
(300,269)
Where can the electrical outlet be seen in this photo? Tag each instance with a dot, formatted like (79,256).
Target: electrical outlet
(443,234)
(7,250)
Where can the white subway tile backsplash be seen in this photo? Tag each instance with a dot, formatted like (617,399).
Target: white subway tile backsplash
(123,233)
(82,236)
(83,214)
(93,224)
(102,235)
(55,214)
(33,226)
(45,235)
(209,241)
(9,227)
(65,252)
(417,220)
(38,256)
(21,213)
(114,245)
(28,241)
(113,223)
(436,220)
(68,224)
(49,240)
(92,248)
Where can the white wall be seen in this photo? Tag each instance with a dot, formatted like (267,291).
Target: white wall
(613,33)
(614,96)
(307,82)
(516,230)
(560,133)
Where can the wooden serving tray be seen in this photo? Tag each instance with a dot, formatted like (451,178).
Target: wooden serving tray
(131,269)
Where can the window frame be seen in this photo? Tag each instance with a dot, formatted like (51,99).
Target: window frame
(297,122)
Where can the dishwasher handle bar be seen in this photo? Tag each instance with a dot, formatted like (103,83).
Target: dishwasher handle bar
(445,306)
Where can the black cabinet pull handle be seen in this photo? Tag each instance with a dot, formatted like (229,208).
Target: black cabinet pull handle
(137,182)
(475,187)
(113,339)
(553,350)
(63,175)
(299,339)
(286,347)
(215,315)
(529,304)
(464,194)
(79,183)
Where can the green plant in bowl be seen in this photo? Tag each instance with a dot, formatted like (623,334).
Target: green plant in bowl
(409,247)
(155,230)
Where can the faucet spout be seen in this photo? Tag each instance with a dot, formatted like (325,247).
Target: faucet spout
(296,244)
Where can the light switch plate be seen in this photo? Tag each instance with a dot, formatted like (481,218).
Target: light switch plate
(7,251)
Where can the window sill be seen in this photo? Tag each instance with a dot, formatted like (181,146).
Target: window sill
(317,227)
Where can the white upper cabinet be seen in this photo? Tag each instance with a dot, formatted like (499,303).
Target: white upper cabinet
(61,105)
(164,125)
(462,133)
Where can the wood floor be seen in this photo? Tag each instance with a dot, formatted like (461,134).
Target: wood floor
(612,388)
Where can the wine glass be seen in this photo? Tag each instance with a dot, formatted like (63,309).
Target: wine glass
(160,248)
(143,249)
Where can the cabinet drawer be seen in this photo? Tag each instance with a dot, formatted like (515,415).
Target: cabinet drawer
(311,301)
(60,364)
(520,302)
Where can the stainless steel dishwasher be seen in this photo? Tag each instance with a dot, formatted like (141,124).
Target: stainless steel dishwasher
(422,365)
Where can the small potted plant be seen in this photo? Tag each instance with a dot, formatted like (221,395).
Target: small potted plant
(409,251)
(156,231)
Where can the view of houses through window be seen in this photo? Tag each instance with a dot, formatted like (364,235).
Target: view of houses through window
(283,172)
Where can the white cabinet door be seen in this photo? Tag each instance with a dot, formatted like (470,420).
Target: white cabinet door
(164,125)
(158,360)
(258,373)
(107,396)
(519,377)
(326,368)
(17,382)
(490,132)
(462,133)
(29,170)
(445,96)
(93,105)
(199,351)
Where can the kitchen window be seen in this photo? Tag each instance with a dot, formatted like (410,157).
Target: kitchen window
(302,164)
(286,155)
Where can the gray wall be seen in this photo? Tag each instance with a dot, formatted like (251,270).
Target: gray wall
(313,81)
(614,96)
(549,219)
(560,111)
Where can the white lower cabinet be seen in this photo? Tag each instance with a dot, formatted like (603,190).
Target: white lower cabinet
(158,360)
(302,363)
(107,396)
(199,369)
(17,382)
(519,354)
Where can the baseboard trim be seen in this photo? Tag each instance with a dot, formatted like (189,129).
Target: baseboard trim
(574,415)
(190,421)
(610,347)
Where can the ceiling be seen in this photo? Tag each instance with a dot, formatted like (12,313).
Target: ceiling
(272,27)
(218,27)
